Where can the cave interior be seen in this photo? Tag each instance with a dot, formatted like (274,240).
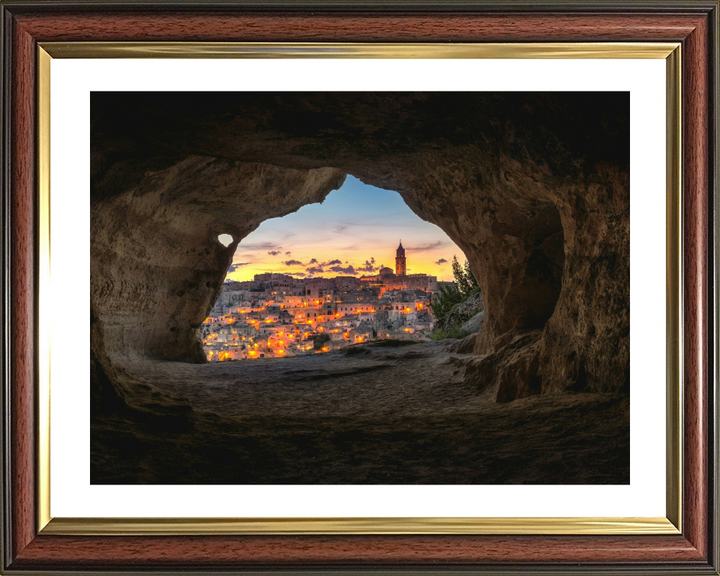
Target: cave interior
(533,187)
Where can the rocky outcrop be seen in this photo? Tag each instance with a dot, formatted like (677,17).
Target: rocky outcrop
(157,264)
(533,187)
(460,315)
(474,325)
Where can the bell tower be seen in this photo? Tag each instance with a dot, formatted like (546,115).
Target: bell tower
(400,264)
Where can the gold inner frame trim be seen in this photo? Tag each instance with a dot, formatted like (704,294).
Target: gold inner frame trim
(44,322)
(550,50)
(228,526)
(673,266)
(294,526)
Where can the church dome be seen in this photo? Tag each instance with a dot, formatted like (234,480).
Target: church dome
(386,271)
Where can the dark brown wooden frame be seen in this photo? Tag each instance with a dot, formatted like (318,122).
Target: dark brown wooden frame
(694,23)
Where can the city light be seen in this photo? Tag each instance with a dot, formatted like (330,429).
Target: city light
(355,307)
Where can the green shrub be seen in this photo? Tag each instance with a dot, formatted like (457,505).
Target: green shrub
(449,297)
(445,301)
(455,332)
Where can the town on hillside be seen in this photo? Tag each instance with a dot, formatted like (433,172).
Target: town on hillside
(276,315)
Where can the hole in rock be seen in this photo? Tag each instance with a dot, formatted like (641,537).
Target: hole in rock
(358,268)
(225,239)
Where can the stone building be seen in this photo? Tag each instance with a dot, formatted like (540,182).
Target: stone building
(386,279)
(400,262)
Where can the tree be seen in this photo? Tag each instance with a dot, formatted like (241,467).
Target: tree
(449,296)
(465,279)
(445,301)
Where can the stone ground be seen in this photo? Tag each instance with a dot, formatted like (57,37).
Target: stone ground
(366,414)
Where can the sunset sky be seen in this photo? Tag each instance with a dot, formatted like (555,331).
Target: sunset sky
(354,231)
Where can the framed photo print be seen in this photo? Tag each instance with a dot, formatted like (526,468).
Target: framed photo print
(366,288)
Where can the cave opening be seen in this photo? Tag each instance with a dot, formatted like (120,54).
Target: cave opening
(310,283)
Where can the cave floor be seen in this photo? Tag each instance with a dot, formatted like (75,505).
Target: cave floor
(362,415)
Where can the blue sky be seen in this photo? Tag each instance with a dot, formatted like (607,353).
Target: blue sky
(355,230)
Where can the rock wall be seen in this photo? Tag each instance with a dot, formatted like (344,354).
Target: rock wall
(157,266)
(533,187)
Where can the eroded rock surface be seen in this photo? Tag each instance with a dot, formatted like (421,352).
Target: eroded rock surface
(462,313)
(383,413)
(533,187)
